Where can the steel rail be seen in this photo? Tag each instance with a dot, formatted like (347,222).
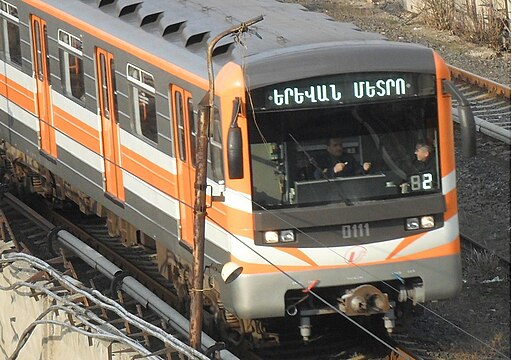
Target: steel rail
(490,85)
(111,271)
(498,91)
(476,244)
(488,128)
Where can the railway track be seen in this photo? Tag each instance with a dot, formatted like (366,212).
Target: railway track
(491,105)
(469,241)
(337,346)
(148,333)
(490,102)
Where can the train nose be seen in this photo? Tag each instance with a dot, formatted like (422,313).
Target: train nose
(364,300)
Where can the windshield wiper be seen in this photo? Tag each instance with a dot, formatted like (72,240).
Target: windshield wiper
(313,162)
(376,140)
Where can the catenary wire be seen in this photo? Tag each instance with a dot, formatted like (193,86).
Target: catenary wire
(341,256)
(371,275)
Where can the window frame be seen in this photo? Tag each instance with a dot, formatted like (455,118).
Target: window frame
(136,85)
(67,50)
(215,148)
(7,17)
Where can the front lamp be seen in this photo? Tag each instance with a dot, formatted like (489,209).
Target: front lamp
(416,223)
(274,237)
(427,222)
(287,236)
(271,237)
(412,224)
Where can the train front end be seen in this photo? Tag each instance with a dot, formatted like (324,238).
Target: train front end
(374,241)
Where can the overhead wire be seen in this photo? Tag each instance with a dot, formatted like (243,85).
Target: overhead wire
(337,254)
(324,300)
(355,265)
(312,292)
(330,248)
(78,312)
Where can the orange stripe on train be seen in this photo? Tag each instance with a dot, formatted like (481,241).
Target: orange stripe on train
(451,205)
(451,210)
(77,130)
(450,249)
(17,94)
(444,105)
(148,171)
(240,223)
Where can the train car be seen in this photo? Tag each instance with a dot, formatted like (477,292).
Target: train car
(100,101)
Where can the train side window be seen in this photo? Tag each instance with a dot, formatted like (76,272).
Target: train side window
(114,87)
(180,121)
(71,65)
(104,87)
(142,98)
(39,52)
(10,43)
(215,148)
(192,120)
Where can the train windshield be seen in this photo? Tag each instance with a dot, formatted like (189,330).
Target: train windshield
(348,153)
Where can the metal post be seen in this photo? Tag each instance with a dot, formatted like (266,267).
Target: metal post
(196,296)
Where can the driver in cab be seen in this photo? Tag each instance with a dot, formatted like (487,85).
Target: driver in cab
(335,163)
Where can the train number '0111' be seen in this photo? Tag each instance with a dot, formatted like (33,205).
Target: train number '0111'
(353,231)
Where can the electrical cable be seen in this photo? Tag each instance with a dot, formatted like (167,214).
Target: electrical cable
(312,292)
(356,265)
(79,312)
(106,303)
(341,256)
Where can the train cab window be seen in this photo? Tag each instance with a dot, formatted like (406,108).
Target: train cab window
(10,44)
(71,65)
(142,98)
(294,162)
(215,148)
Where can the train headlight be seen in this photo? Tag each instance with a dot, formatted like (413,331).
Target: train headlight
(271,237)
(412,223)
(427,222)
(287,236)
(282,236)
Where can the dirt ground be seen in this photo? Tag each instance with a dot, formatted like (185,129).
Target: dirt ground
(475,325)
(388,18)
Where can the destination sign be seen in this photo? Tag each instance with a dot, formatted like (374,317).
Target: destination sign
(343,89)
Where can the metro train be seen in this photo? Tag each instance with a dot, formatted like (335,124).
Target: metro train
(100,101)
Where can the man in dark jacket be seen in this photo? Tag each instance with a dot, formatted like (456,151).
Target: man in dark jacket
(335,163)
(424,161)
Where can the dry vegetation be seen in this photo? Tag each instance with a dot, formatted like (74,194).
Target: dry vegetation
(482,266)
(483,24)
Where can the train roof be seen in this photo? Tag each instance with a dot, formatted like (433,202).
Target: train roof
(179,30)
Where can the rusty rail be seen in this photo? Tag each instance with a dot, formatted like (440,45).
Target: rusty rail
(491,86)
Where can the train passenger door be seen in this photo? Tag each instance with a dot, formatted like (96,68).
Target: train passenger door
(42,77)
(185,129)
(113,177)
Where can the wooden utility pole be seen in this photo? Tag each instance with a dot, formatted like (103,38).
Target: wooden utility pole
(196,296)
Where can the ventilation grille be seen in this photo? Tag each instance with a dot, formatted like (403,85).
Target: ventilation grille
(173,20)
